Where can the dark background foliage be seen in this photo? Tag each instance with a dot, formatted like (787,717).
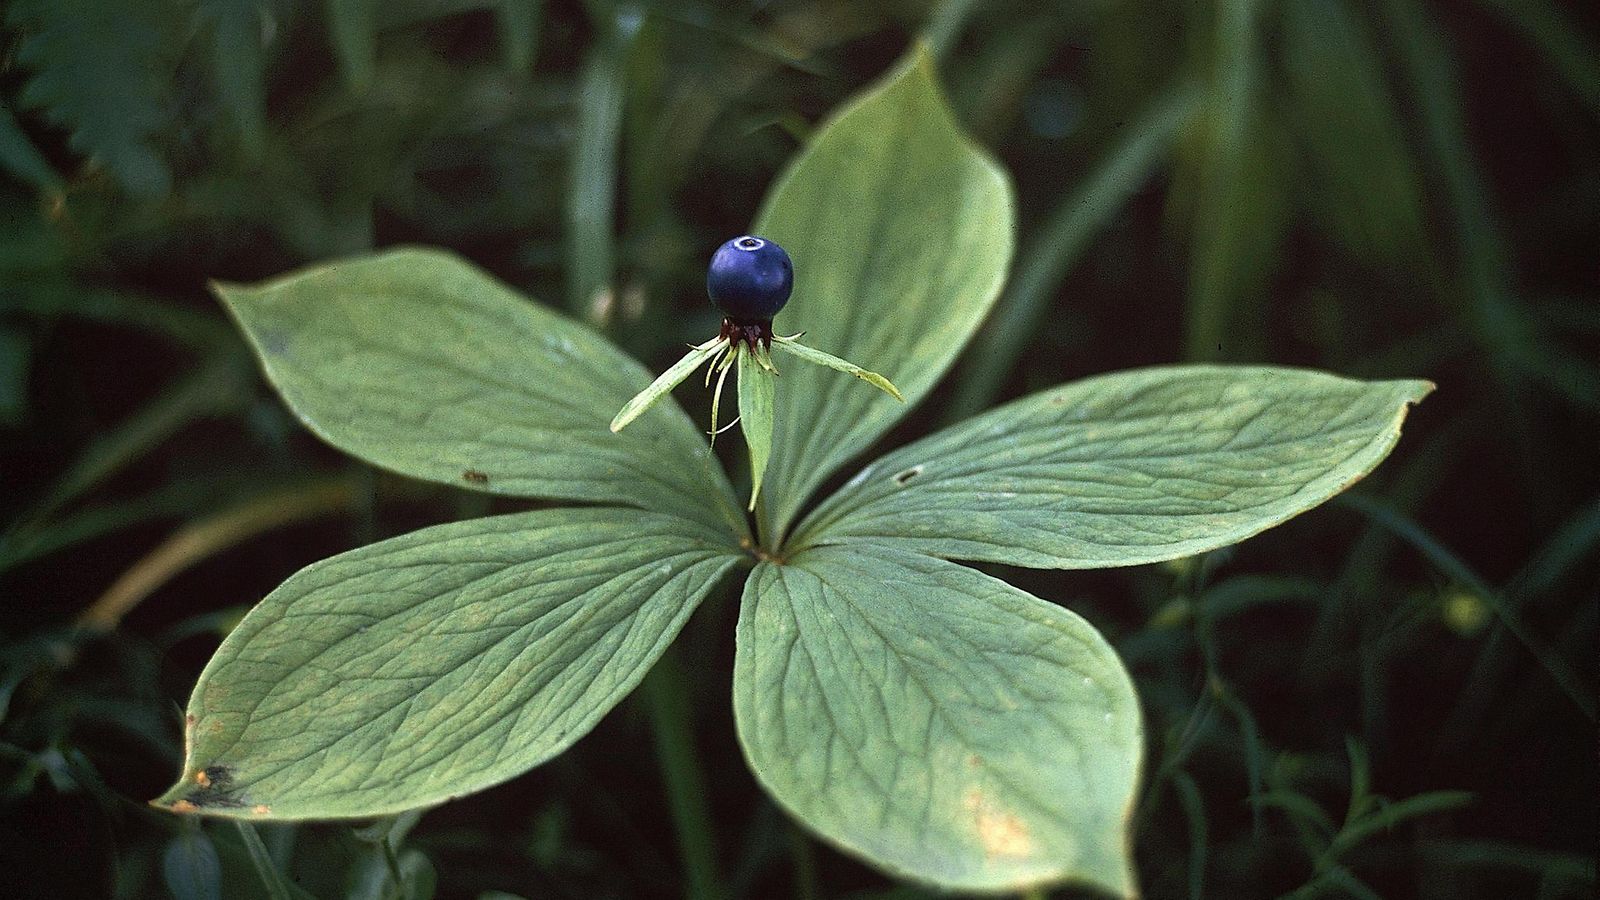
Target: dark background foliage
(1376,187)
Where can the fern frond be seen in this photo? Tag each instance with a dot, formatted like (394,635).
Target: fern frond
(103,70)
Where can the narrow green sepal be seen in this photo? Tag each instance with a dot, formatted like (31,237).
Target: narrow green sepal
(833,362)
(668,380)
(757,385)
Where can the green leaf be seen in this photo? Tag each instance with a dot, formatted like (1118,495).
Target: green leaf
(900,231)
(418,362)
(1123,469)
(438,663)
(936,721)
(757,383)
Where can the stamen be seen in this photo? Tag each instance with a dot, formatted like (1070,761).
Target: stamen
(716,398)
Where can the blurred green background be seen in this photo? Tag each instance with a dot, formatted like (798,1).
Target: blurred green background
(1392,696)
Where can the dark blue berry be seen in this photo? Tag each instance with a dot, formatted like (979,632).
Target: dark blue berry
(749,279)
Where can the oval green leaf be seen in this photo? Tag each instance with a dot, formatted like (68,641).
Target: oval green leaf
(901,231)
(1123,469)
(938,722)
(438,663)
(421,363)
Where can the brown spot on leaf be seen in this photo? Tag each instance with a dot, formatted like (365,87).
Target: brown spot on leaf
(261,809)
(202,779)
(905,476)
(1000,832)
(184,806)
(475,477)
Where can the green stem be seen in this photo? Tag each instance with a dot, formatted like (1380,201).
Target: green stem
(666,696)
(805,865)
(271,878)
(944,25)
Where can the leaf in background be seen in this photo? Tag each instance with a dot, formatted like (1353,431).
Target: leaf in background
(102,69)
(16,358)
(756,388)
(1489,301)
(438,663)
(936,721)
(1059,242)
(21,158)
(900,231)
(191,868)
(1123,469)
(517,24)
(220,385)
(353,28)
(1562,41)
(418,362)
(1364,182)
(238,63)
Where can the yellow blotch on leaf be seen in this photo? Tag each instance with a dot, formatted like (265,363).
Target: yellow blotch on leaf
(1000,832)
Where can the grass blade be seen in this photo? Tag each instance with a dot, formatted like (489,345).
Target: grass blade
(1222,255)
(591,205)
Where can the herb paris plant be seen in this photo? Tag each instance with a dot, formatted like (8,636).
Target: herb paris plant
(749,279)
(926,717)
